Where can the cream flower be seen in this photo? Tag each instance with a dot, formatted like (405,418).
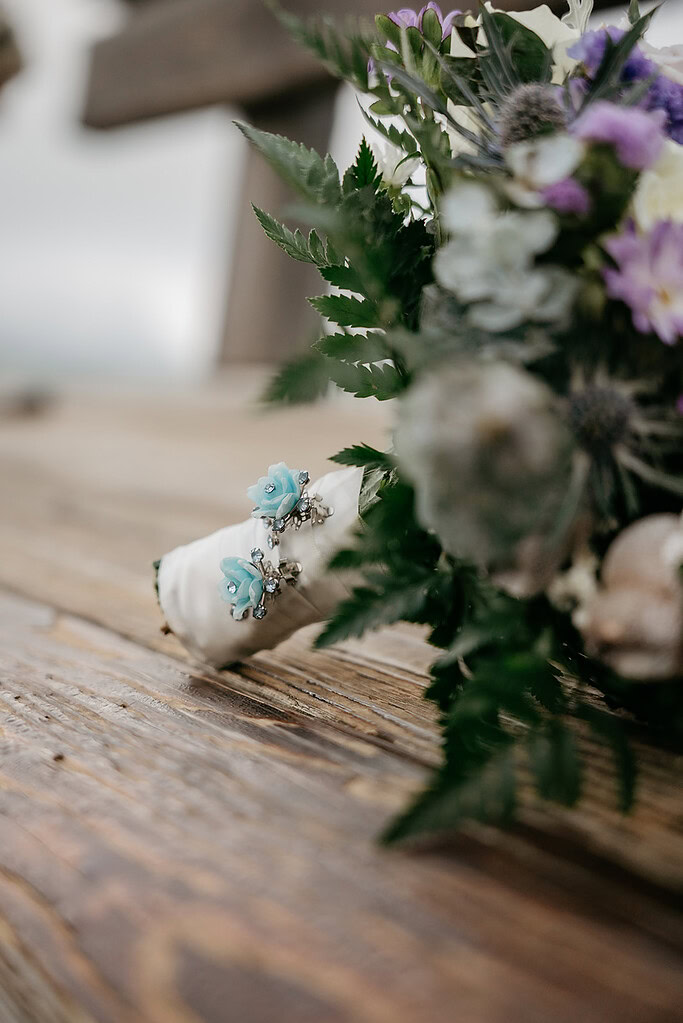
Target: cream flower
(669,59)
(393,165)
(659,195)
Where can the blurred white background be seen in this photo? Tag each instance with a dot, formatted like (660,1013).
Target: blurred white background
(116,246)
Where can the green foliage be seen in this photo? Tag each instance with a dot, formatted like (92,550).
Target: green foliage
(305,250)
(315,177)
(354,347)
(364,171)
(369,607)
(364,456)
(301,380)
(347,311)
(373,381)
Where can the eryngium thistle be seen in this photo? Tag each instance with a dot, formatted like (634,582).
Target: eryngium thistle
(530,111)
(600,418)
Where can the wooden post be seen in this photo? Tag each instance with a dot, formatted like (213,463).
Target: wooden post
(267,316)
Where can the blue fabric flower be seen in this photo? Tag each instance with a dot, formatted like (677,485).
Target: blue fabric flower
(276,494)
(242,585)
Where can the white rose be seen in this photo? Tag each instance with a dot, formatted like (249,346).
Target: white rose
(659,195)
(669,59)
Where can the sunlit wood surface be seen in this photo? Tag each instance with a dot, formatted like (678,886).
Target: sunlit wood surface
(180,845)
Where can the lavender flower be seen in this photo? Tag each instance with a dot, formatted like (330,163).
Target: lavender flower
(567,196)
(664,94)
(649,278)
(590,50)
(637,135)
(406,17)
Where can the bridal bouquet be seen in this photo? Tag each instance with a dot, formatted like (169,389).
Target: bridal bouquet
(504,261)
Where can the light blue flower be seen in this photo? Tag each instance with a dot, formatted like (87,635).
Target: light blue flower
(276,494)
(242,585)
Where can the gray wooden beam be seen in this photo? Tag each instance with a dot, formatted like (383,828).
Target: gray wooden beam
(175,55)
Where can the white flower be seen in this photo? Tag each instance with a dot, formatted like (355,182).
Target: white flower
(578,15)
(659,195)
(490,261)
(475,438)
(669,59)
(539,163)
(393,164)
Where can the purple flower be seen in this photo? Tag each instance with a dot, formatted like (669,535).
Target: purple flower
(663,94)
(567,196)
(637,135)
(649,278)
(406,17)
(590,49)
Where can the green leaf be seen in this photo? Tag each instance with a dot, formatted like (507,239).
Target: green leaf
(313,176)
(374,381)
(530,57)
(369,608)
(555,762)
(344,52)
(364,456)
(488,794)
(364,171)
(633,12)
(306,250)
(354,348)
(610,729)
(347,311)
(344,277)
(300,381)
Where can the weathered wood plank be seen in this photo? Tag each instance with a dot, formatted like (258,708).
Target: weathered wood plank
(174,852)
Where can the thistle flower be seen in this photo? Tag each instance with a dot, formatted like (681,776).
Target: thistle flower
(649,278)
(620,436)
(531,110)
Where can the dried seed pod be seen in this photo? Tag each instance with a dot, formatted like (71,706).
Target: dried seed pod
(634,623)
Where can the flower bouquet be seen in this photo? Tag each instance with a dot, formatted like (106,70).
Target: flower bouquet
(505,263)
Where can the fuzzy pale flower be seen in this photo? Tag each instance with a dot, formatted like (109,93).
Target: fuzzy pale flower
(649,278)
(476,438)
(659,193)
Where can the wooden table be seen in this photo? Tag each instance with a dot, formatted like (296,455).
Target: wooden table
(180,845)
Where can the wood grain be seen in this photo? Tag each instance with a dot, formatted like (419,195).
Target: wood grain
(178,844)
(172,852)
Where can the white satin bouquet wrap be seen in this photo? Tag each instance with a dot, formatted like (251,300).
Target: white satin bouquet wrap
(189,577)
